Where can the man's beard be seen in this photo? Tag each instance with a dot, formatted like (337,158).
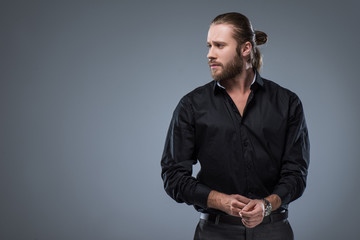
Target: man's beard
(230,70)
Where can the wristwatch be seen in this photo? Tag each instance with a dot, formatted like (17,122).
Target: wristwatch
(268,207)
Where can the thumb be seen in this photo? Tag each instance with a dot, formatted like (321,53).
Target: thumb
(248,206)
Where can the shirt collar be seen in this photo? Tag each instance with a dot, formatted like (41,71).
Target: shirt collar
(257,81)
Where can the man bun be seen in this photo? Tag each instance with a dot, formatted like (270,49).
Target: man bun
(260,38)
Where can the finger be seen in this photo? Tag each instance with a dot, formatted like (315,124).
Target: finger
(237,204)
(234,211)
(255,210)
(253,219)
(248,224)
(249,206)
(245,223)
(252,214)
(242,199)
(251,224)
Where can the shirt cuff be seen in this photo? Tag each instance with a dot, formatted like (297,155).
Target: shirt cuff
(283,192)
(201,195)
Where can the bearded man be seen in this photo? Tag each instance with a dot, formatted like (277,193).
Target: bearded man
(249,135)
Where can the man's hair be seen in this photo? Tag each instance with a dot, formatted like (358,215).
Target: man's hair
(243,32)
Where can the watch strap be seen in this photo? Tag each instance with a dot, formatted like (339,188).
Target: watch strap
(268,207)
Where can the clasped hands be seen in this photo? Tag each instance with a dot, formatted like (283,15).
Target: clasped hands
(250,210)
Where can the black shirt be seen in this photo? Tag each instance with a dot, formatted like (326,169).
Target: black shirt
(263,152)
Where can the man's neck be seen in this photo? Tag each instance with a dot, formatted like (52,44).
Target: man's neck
(240,83)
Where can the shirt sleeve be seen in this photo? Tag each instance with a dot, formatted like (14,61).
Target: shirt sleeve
(296,157)
(179,157)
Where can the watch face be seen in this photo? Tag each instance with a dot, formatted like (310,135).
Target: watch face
(268,207)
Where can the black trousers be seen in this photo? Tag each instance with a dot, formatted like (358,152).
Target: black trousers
(208,230)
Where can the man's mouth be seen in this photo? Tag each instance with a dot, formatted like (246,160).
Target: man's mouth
(214,65)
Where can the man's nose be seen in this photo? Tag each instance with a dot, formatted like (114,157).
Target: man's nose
(211,54)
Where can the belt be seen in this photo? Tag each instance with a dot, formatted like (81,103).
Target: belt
(217,218)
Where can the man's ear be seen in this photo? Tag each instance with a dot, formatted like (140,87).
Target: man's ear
(246,49)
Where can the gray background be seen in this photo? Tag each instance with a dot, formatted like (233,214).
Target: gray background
(87,90)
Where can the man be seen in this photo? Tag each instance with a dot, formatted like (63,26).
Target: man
(249,135)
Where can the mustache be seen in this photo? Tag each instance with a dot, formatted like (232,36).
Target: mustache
(214,63)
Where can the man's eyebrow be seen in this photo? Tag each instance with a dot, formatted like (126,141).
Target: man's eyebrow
(217,42)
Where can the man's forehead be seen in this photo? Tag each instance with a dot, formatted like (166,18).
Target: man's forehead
(220,32)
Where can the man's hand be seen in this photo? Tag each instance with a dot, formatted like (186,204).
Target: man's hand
(231,204)
(253,213)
